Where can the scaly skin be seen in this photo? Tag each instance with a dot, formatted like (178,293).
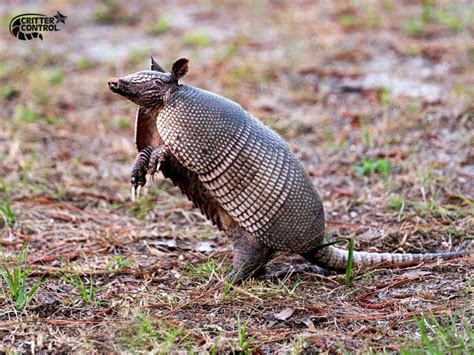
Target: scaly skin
(237,171)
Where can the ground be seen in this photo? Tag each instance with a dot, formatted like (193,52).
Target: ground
(375,98)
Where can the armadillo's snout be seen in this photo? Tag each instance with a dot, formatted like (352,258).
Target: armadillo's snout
(114,84)
(123,87)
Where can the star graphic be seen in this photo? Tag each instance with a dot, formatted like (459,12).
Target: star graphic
(60,18)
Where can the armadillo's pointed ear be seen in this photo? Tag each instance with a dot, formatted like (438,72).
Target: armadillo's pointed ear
(180,68)
(155,66)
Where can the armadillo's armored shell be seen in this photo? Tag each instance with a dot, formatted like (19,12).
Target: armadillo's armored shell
(247,167)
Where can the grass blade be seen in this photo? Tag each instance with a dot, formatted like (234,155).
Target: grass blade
(349,272)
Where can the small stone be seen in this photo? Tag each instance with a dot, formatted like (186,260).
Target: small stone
(204,247)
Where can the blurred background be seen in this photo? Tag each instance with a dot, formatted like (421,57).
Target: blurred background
(375,97)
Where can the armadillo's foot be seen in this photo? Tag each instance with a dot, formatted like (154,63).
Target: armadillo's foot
(283,271)
(139,170)
(250,256)
(159,154)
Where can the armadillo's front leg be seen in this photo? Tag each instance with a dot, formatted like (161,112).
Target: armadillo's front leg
(139,170)
(250,256)
(159,154)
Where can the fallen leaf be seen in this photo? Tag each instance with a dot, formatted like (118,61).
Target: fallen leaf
(285,314)
(310,325)
(416,274)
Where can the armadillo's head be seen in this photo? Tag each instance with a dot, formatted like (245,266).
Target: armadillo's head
(150,87)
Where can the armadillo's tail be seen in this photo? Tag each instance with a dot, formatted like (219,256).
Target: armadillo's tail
(333,258)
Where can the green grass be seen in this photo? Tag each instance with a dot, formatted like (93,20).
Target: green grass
(426,10)
(53,76)
(136,57)
(7,213)
(349,277)
(433,208)
(470,53)
(396,203)
(5,206)
(439,337)
(55,121)
(329,138)
(207,270)
(28,166)
(215,347)
(428,207)
(26,114)
(415,105)
(15,279)
(369,166)
(161,26)
(144,336)
(196,39)
(460,90)
(227,288)
(142,207)
(287,288)
(298,346)
(8,92)
(449,20)
(118,262)
(349,21)
(244,341)
(276,124)
(367,136)
(413,26)
(384,95)
(34,167)
(84,64)
(87,293)
(122,123)
(429,14)
(3,69)
(113,12)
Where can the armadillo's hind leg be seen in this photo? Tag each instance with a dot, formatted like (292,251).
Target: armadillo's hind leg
(250,256)
(159,155)
(139,169)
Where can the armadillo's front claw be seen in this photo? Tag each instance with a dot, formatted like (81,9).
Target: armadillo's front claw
(139,169)
(137,185)
(133,195)
(152,169)
(158,155)
(134,192)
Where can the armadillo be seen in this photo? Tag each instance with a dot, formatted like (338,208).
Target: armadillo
(239,172)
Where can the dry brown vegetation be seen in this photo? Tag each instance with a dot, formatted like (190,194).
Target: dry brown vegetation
(376,98)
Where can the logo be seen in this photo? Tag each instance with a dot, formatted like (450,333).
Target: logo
(28,26)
